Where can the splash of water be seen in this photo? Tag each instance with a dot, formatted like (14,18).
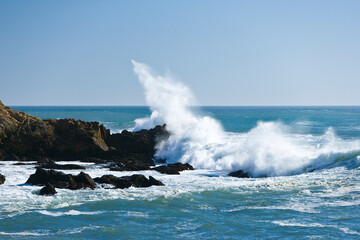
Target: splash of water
(269,149)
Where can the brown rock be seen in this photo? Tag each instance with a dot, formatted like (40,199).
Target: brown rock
(24,137)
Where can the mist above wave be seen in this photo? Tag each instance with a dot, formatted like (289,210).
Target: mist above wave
(269,149)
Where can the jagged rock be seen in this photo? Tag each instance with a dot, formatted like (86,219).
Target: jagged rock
(136,162)
(142,142)
(78,139)
(174,168)
(2,179)
(61,180)
(48,190)
(136,180)
(50,164)
(84,180)
(240,174)
(24,137)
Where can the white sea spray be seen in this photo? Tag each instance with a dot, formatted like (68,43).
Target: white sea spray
(269,149)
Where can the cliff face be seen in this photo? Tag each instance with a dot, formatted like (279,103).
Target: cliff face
(25,137)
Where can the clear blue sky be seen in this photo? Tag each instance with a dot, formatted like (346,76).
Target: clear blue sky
(227,52)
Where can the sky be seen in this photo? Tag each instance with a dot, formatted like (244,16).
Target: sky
(228,52)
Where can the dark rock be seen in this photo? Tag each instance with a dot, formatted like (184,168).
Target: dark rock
(50,164)
(61,180)
(24,137)
(239,174)
(93,160)
(137,162)
(2,179)
(174,168)
(84,180)
(155,182)
(48,190)
(142,142)
(76,139)
(22,163)
(136,180)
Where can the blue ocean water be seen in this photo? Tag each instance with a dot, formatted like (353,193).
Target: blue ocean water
(312,155)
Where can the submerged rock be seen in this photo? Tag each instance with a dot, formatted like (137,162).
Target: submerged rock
(174,168)
(50,164)
(48,190)
(23,164)
(61,180)
(2,179)
(239,174)
(136,180)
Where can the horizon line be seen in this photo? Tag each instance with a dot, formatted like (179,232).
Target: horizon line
(189,106)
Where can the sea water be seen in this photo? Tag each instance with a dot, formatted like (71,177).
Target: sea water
(317,201)
(304,164)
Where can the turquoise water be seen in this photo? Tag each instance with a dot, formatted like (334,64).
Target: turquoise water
(312,155)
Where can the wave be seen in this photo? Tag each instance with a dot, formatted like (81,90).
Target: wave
(289,223)
(269,149)
(70,213)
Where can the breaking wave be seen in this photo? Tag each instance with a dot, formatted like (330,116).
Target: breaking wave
(269,149)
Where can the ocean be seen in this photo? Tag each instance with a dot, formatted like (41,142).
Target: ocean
(305,163)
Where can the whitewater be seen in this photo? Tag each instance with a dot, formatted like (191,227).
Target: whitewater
(304,163)
(269,149)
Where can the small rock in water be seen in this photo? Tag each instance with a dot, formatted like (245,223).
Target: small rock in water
(2,179)
(48,190)
(136,180)
(174,168)
(61,180)
(239,174)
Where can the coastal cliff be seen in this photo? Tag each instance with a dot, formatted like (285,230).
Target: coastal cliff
(24,137)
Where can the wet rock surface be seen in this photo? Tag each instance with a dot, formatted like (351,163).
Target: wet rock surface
(136,180)
(52,179)
(61,180)
(24,137)
(239,174)
(48,190)
(2,179)
(50,164)
(174,168)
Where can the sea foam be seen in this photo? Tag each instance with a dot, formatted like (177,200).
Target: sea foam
(269,149)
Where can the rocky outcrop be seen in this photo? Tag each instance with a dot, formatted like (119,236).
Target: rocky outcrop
(61,180)
(239,174)
(2,179)
(52,179)
(50,164)
(136,180)
(142,142)
(76,139)
(135,162)
(24,137)
(173,168)
(48,190)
